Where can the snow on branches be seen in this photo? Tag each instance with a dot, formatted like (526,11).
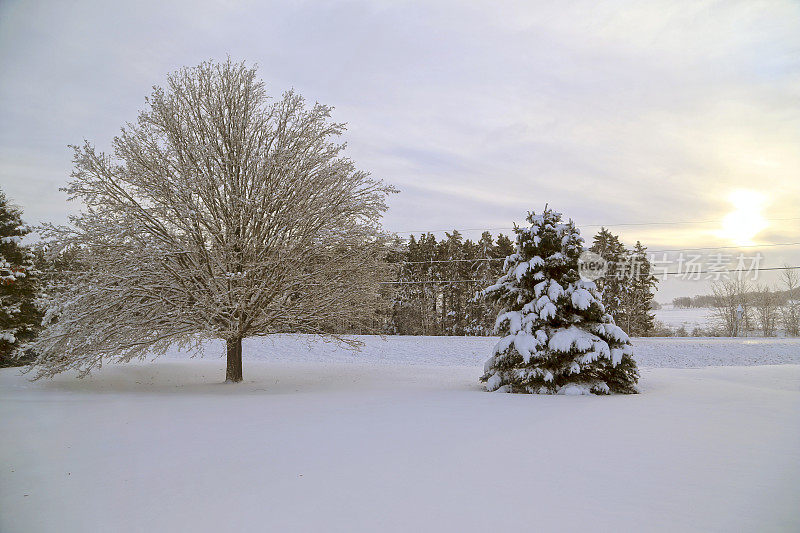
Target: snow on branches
(220,214)
(557,337)
(19,287)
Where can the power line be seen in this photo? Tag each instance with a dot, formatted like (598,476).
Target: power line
(648,251)
(481,259)
(665,274)
(621,224)
(736,247)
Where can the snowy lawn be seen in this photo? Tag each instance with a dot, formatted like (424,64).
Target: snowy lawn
(386,441)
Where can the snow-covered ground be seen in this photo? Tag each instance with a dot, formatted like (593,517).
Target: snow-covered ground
(401,438)
(473,351)
(689,318)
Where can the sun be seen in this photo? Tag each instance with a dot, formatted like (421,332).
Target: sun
(742,224)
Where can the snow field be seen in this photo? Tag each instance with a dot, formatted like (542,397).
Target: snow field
(689,318)
(320,439)
(670,352)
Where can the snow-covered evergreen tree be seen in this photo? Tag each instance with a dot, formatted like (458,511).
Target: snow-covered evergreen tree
(557,337)
(20,317)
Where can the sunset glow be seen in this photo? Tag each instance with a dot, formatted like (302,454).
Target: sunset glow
(741,225)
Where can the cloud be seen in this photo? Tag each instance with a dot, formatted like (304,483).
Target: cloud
(612,112)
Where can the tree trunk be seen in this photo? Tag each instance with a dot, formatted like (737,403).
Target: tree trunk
(233,373)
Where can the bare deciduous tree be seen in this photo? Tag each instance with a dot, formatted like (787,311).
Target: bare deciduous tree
(790,310)
(730,295)
(221,214)
(765,305)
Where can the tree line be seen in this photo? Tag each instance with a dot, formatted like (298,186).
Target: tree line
(438,284)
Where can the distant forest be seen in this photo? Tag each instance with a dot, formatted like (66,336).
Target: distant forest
(709,300)
(438,283)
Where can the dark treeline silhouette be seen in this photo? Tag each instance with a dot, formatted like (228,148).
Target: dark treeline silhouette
(782,297)
(438,285)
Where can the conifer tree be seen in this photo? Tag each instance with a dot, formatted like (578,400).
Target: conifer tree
(612,284)
(642,284)
(557,337)
(451,257)
(485,251)
(20,318)
(409,305)
(429,275)
(503,248)
(481,319)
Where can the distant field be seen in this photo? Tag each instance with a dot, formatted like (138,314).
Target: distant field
(694,317)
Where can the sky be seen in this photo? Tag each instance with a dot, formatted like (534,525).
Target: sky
(625,112)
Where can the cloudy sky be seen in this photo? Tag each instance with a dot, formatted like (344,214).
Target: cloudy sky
(627,112)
